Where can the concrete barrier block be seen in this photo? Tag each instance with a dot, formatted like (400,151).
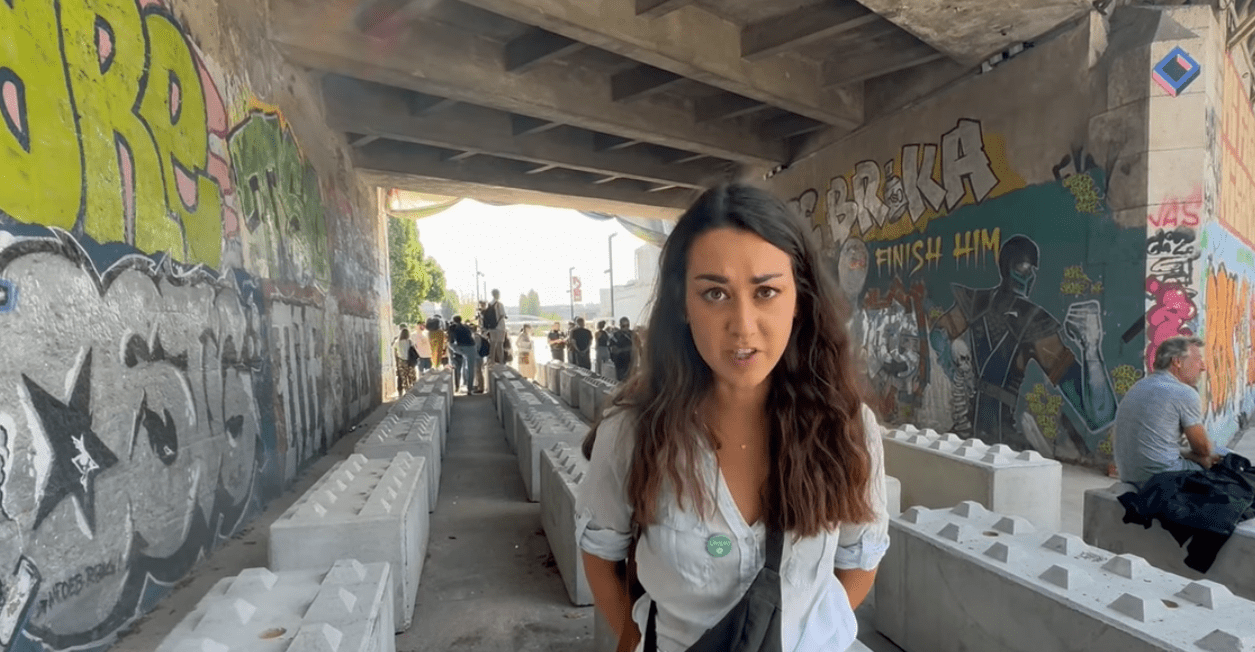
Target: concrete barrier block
(1105,528)
(540,430)
(970,579)
(562,467)
(532,401)
(893,495)
(594,392)
(346,609)
(553,376)
(419,437)
(364,509)
(942,469)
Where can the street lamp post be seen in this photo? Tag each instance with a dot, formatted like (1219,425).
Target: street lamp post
(477,275)
(570,283)
(610,248)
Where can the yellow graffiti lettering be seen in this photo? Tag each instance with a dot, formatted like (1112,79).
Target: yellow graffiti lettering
(973,247)
(40,167)
(921,254)
(174,105)
(103,126)
(106,59)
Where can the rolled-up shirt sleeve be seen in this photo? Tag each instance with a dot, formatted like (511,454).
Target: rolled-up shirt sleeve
(862,545)
(603,525)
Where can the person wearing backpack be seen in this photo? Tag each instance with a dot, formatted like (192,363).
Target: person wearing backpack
(492,322)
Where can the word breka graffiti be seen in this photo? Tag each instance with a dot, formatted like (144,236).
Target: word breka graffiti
(922,184)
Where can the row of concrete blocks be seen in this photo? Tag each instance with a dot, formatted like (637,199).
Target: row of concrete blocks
(348,608)
(375,505)
(579,388)
(1104,527)
(942,470)
(533,421)
(969,579)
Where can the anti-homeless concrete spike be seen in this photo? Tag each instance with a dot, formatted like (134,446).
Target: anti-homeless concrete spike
(1130,566)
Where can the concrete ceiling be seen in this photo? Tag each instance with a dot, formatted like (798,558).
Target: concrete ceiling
(625,102)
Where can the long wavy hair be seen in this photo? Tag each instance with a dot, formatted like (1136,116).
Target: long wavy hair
(820,464)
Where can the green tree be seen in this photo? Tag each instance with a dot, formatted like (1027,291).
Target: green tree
(533,303)
(415,277)
(449,306)
(523,305)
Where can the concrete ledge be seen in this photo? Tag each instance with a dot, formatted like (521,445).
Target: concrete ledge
(562,467)
(939,471)
(967,579)
(1105,528)
(364,509)
(293,611)
(419,437)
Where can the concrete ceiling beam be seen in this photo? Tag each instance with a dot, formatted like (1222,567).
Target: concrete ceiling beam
(788,126)
(445,62)
(521,125)
(859,67)
(362,141)
(803,26)
(724,106)
(608,143)
(535,47)
(641,81)
(656,8)
(424,104)
(362,108)
(395,158)
(692,44)
(969,31)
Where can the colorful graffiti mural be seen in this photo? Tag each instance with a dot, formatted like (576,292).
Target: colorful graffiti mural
(1237,138)
(186,346)
(1227,323)
(956,303)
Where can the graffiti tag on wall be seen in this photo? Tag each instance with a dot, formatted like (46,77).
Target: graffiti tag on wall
(891,199)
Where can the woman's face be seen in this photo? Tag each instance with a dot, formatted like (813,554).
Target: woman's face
(740,302)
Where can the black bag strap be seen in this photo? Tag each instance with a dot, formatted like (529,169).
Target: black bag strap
(775,549)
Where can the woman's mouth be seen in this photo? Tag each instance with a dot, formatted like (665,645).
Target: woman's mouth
(743,355)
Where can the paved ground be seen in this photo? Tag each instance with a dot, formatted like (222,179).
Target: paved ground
(489,583)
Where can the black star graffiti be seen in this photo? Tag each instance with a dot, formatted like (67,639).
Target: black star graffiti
(78,455)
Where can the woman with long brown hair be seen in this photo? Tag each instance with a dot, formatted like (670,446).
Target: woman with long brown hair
(739,465)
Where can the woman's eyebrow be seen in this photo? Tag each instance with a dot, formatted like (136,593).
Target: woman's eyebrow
(723,279)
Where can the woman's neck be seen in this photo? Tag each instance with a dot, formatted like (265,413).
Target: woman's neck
(730,409)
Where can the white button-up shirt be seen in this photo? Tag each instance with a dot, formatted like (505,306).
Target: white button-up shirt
(694,590)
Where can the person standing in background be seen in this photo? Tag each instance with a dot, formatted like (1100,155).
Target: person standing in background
(557,343)
(423,346)
(603,350)
(463,342)
(435,335)
(582,343)
(493,324)
(403,349)
(527,359)
(621,349)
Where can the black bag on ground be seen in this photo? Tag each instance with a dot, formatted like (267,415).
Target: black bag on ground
(753,625)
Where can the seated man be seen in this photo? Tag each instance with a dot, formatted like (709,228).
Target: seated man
(1158,410)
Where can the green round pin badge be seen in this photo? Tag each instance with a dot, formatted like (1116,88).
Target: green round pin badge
(719,545)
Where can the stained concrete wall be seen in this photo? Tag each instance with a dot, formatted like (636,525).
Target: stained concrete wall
(190,284)
(1068,156)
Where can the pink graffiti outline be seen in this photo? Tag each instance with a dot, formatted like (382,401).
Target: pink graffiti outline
(1172,310)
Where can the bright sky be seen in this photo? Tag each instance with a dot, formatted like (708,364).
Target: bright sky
(521,248)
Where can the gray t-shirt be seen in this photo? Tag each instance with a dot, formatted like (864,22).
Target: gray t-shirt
(1149,423)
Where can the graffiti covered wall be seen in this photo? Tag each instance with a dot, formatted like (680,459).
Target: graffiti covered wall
(994,280)
(178,336)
